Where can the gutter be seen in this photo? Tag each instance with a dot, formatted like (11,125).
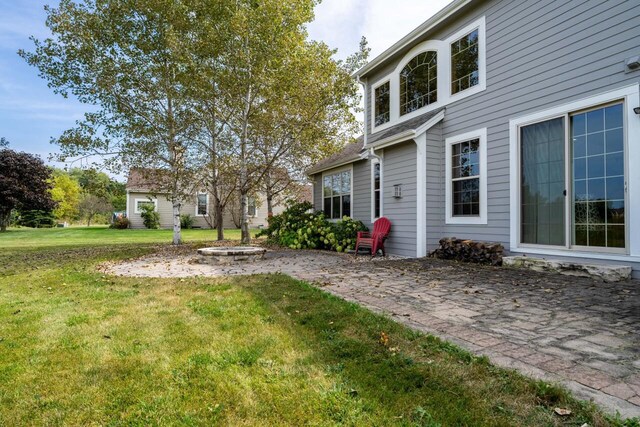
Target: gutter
(364,89)
(410,38)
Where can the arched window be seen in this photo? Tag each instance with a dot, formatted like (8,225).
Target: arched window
(419,82)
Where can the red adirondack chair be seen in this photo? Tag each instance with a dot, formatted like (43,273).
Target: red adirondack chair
(374,240)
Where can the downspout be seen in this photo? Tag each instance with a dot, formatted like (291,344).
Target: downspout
(372,154)
(364,89)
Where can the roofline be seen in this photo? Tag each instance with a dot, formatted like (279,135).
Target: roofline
(337,165)
(408,134)
(407,40)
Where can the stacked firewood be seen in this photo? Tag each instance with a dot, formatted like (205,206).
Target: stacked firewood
(469,251)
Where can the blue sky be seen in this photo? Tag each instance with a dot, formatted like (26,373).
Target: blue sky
(31,114)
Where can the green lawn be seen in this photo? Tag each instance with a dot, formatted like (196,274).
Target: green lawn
(79,348)
(99,235)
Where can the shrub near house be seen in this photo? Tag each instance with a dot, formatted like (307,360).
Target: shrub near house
(297,228)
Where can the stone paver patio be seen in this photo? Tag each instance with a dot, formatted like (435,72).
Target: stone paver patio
(580,332)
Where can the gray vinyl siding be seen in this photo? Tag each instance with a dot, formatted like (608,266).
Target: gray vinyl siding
(361,205)
(435,186)
(539,55)
(317,192)
(361,191)
(399,167)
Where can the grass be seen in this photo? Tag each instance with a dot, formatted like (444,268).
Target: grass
(78,348)
(28,238)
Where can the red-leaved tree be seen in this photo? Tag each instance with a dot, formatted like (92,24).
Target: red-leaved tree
(24,184)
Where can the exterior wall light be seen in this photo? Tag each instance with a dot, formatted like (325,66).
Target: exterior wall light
(397,191)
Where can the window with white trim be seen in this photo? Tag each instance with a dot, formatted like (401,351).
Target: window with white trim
(202,205)
(145,202)
(336,193)
(251,202)
(465,62)
(377,190)
(382,104)
(419,82)
(466,178)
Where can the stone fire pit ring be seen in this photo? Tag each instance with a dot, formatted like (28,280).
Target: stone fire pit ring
(230,255)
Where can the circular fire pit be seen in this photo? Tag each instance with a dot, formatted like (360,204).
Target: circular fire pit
(229,255)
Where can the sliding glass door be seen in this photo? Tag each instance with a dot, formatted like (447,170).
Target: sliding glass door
(590,197)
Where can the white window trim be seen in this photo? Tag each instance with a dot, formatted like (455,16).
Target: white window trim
(333,172)
(482,59)
(196,210)
(255,201)
(145,199)
(480,134)
(631,97)
(443,48)
(373,194)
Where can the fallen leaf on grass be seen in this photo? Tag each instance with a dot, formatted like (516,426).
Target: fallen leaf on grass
(562,411)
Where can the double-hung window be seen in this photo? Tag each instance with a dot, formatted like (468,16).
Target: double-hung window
(466,178)
(252,208)
(336,192)
(202,205)
(572,180)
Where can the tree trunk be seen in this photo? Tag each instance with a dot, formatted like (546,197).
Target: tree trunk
(244,175)
(244,214)
(269,193)
(219,216)
(89,220)
(177,234)
(269,204)
(5,218)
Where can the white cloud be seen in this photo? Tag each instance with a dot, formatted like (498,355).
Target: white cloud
(341,23)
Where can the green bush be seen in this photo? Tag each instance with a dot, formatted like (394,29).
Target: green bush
(120,223)
(150,218)
(36,219)
(298,228)
(186,221)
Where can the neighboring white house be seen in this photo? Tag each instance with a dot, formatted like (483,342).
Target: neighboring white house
(200,207)
(515,122)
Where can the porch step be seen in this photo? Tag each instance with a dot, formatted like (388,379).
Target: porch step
(608,273)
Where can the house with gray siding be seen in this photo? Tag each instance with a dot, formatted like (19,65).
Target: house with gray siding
(502,120)
(140,191)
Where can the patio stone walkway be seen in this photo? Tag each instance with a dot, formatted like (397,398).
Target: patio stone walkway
(578,331)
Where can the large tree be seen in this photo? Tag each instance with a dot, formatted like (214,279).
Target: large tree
(123,58)
(24,184)
(285,96)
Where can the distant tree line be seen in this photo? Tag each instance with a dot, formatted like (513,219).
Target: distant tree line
(226,95)
(35,195)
